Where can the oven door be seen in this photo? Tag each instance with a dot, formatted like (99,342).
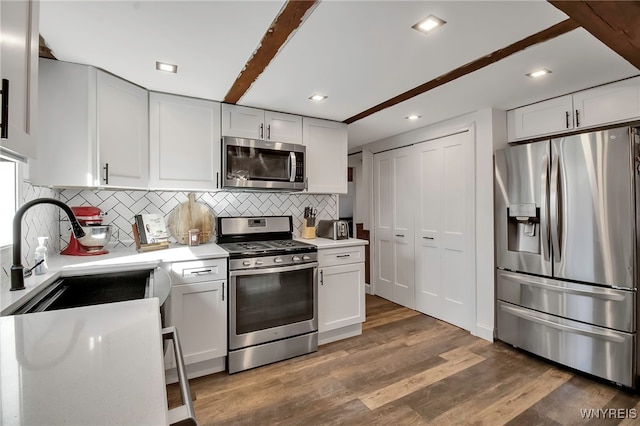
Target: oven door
(248,163)
(271,304)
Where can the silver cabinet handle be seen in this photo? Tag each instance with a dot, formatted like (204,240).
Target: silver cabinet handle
(202,272)
(261,131)
(321,277)
(185,411)
(106,173)
(269,132)
(566,115)
(223,286)
(343,255)
(577,118)
(428,238)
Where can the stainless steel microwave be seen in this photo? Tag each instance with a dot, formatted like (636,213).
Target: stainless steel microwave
(255,164)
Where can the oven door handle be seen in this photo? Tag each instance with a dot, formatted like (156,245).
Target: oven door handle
(264,271)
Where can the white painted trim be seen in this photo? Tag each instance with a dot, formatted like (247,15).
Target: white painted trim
(484,332)
(339,334)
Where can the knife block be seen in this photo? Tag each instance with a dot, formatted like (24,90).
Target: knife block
(308,229)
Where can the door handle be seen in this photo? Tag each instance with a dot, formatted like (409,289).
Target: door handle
(292,167)
(554,204)
(544,208)
(4,124)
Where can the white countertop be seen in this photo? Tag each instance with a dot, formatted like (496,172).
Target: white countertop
(117,259)
(327,243)
(98,364)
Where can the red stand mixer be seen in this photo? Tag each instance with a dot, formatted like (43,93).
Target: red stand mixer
(97,234)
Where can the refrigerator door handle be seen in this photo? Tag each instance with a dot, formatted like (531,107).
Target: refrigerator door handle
(554,201)
(544,208)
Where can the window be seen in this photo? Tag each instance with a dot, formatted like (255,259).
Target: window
(8,199)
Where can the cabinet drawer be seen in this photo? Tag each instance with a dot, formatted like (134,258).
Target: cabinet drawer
(340,256)
(198,271)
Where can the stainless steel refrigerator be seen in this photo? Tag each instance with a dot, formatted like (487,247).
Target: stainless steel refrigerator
(566,239)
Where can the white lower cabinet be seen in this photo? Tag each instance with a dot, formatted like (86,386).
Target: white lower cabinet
(341,293)
(197,308)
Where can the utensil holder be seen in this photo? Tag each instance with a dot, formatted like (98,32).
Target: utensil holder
(308,228)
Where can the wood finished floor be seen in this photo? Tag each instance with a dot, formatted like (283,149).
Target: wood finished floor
(406,369)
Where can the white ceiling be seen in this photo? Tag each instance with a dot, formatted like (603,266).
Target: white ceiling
(359,53)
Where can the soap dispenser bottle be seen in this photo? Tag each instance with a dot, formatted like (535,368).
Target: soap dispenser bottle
(41,256)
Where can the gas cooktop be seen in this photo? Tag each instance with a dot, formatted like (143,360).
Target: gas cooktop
(256,248)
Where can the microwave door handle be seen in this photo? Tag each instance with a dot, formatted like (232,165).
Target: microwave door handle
(292,167)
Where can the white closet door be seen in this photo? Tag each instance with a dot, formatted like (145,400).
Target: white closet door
(383,184)
(404,185)
(394,182)
(445,269)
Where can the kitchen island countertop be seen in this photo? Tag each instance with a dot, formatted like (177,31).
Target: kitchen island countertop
(99,364)
(323,243)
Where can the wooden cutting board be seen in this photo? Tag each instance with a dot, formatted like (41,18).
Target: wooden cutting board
(191,215)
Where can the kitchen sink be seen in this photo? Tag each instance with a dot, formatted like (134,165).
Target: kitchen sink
(86,290)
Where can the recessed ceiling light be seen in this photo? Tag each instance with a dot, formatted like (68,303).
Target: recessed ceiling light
(161,66)
(539,73)
(413,117)
(428,24)
(316,97)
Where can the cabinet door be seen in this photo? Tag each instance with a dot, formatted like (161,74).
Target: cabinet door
(326,155)
(123,132)
(242,122)
(282,127)
(199,313)
(19,53)
(341,300)
(543,118)
(184,142)
(608,104)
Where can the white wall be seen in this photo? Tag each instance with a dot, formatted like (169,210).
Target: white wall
(490,133)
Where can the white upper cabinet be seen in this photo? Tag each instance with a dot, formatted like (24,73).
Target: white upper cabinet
(543,118)
(253,123)
(326,155)
(611,103)
(184,143)
(122,121)
(95,129)
(281,127)
(608,104)
(19,64)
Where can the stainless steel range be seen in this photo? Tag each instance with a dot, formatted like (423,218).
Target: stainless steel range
(273,291)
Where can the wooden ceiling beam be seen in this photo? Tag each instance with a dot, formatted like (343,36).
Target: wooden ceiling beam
(43,50)
(537,38)
(283,26)
(615,23)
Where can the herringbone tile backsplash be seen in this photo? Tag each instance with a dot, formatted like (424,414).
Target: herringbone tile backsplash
(121,206)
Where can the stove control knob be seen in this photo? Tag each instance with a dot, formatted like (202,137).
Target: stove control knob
(296,258)
(278,259)
(259,262)
(306,257)
(246,263)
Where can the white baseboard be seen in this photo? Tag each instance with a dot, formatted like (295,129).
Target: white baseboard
(484,332)
(368,289)
(197,370)
(339,334)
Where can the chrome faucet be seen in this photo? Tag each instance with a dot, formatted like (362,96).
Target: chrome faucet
(17,270)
